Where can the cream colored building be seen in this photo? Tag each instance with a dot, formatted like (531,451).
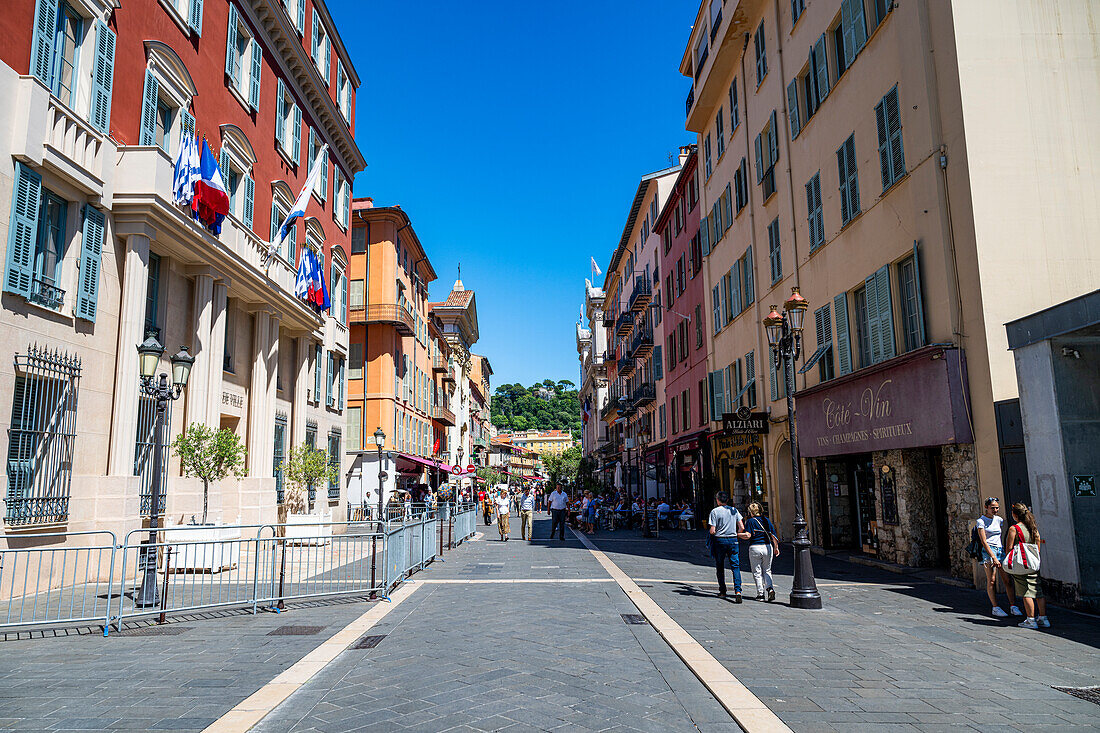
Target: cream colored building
(554,442)
(924,172)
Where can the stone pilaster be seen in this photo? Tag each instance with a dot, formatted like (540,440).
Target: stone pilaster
(216,352)
(302,383)
(198,388)
(131,332)
(964,503)
(260,414)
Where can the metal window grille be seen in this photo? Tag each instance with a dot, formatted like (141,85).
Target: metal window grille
(280,443)
(334,461)
(41,437)
(144,443)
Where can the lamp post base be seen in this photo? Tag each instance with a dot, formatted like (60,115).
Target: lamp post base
(804,593)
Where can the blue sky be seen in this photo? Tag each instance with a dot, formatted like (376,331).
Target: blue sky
(514,135)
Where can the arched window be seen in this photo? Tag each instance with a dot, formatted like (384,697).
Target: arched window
(166,98)
(236,160)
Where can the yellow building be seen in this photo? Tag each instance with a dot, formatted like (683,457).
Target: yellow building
(554,442)
(924,173)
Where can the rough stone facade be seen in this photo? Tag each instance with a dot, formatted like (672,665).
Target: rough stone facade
(912,541)
(960,483)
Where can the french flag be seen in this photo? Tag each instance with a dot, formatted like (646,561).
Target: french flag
(211,201)
(310,283)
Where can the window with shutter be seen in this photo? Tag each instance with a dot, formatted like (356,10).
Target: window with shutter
(814,216)
(773,382)
(103,73)
(774,252)
(792,107)
(706,155)
(820,70)
(43,39)
(735,116)
(735,289)
(91,251)
(891,154)
(750,285)
(716,305)
(22,230)
(849,179)
(761,55)
(912,305)
(149,99)
(843,340)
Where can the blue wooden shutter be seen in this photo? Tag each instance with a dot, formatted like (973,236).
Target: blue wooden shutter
(292,244)
(893,126)
(22,230)
(329,398)
(313,38)
(848,31)
(704,238)
(187,128)
(773,378)
(254,77)
(42,42)
(280,114)
(328,60)
(249,201)
(859,25)
(792,107)
(729,206)
(720,389)
(922,340)
(149,109)
(194,18)
(773,141)
(91,252)
(658,365)
(324,176)
(231,59)
(340,383)
(750,284)
(275,223)
(345,206)
(297,133)
(883,143)
(843,340)
(735,289)
(821,69)
(759,159)
(301,15)
(317,373)
(103,74)
(885,312)
(223,167)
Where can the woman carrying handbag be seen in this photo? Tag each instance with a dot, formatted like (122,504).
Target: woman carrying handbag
(1022,562)
(763,547)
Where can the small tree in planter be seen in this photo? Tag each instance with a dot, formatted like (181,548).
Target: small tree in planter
(305,468)
(210,455)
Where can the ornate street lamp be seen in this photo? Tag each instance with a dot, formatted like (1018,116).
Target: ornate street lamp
(379,441)
(785,338)
(149,353)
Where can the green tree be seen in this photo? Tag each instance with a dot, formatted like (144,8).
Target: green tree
(491,476)
(305,468)
(209,455)
(562,466)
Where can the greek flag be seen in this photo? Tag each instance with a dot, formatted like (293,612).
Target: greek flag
(187,172)
(299,209)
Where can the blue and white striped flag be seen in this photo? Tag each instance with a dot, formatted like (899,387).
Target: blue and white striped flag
(299,209)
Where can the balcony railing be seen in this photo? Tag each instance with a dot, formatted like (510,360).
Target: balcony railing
(624,325)
(644,394)
(608,319)
(390,314)
(642,345)
(46,294)
(689,102)
(443,415)
(641,295)
(626,366)
(610,408)
(440,364)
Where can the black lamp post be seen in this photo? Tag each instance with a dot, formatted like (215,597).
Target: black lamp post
(785,338)
(149,353)
(379,441)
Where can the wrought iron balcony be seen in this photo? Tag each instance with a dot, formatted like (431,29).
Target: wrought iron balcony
(443,415)
(690,102)
(644,395)
(642,345)
(624,325)
(608,319)
(610,408)
(626,366)
(641,295)
(46,294)
(440,364)
(390,314)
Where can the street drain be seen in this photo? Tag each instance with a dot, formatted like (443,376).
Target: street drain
(295,631)
(633,618)
(156,631)
(368,642)
(1092,694)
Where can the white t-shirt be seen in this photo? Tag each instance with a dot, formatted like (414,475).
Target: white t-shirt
(992,528)
(724,519)
(663,508)
(502,504)
(558,499)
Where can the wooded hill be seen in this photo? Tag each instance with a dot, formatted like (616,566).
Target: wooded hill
(546,405)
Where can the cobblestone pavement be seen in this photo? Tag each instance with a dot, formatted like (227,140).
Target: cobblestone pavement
(530,636)
(887,652)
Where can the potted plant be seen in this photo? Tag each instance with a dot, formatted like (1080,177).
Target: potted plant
(209,455)
(306,468)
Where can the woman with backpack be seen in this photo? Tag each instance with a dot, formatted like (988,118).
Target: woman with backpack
(1026,532)
(763,547)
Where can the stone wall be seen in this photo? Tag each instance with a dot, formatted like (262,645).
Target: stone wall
(912,542)
(960,483)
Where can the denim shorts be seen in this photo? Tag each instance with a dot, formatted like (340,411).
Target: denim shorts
(998,552)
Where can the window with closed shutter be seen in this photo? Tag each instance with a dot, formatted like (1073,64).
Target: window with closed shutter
(890,151)
(849,179)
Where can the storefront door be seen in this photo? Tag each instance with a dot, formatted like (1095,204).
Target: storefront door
(864,479)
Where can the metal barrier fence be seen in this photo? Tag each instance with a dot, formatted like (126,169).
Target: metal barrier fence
(90,578)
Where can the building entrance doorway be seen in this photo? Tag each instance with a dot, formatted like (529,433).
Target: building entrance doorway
(846,502)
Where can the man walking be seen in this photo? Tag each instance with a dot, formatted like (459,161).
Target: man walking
(527,513)
(558,503)
(502,504)
(726,526)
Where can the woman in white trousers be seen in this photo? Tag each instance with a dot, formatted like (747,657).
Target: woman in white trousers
(763,547)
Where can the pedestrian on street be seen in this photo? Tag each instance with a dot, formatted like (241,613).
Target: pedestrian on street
(726,526)
(989,527)
(502,504)
(527,513)
(487,507)
(1026,531)
(559,502)
(763,547)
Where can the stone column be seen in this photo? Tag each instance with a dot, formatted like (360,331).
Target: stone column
(217,352)
(198,387)
(260,415)
(131,332)
(302,383)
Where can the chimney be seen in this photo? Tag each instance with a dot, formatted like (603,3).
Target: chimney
(368,203)
(685,152)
